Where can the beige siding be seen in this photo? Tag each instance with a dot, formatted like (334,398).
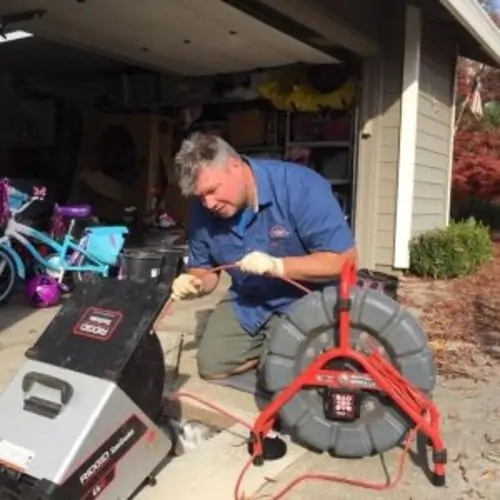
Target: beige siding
(389,124)
(432,162)
(362,15)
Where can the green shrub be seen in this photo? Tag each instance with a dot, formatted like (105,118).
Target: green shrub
(483,211)
(458,250)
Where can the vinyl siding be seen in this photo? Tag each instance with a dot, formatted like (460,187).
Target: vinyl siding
(389,124)
(434,134)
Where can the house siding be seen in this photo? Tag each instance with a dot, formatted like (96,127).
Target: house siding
(378,148)
(389,126)
(434,129)
(362,15)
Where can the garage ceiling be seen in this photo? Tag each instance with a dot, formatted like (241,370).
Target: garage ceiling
(39,57)
(189,37)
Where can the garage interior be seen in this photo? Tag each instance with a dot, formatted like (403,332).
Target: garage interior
(100,124)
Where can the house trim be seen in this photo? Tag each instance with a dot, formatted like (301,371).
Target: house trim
(367,161)
(452,139)
(407,136)
(478,23)
(318,18)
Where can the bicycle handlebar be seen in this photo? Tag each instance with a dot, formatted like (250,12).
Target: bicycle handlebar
(24,206)
(39,193)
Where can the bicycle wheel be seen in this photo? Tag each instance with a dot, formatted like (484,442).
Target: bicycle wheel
(8,276)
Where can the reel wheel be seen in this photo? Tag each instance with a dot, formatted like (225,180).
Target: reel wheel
(308,329)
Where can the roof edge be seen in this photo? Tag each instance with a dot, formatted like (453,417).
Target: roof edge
(478,23)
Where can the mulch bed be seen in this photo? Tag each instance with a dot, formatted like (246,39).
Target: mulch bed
(461,316)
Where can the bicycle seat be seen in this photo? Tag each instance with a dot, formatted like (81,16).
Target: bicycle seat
(107,230)
(74,211)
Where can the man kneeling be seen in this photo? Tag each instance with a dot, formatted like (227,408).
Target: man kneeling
(275,219)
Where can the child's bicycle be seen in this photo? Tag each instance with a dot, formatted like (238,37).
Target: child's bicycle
(96,252)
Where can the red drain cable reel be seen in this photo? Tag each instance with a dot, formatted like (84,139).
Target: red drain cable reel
(320,382)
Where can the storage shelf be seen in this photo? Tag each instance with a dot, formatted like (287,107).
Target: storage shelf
(319,144)
(327,157)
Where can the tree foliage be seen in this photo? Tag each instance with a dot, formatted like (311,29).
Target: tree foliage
(476,168)
(476,158)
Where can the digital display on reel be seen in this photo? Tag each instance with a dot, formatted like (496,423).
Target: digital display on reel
(341,405)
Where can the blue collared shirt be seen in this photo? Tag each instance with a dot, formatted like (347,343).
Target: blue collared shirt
(297,215)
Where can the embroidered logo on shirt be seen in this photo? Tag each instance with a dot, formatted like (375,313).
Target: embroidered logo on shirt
(278,232)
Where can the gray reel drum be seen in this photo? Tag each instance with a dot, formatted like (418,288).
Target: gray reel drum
(307,330)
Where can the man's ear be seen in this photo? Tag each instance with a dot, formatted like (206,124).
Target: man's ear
(235,163)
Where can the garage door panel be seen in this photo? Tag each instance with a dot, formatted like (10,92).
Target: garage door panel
(189,37)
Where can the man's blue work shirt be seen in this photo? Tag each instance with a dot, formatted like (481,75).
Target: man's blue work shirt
(297,215)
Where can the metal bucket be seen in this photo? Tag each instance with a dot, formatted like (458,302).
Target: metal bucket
(158,264)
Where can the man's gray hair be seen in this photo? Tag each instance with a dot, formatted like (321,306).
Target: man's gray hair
(197,152)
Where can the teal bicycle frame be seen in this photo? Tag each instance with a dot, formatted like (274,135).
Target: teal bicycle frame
(78,260)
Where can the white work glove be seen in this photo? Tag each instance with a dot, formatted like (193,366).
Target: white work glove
(186,286)
(260,263)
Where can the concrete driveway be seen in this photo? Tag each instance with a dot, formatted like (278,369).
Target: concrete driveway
(470,411)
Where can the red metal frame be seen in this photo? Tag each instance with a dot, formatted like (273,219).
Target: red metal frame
(380,376)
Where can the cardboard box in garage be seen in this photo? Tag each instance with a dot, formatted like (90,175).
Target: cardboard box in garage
(248,128)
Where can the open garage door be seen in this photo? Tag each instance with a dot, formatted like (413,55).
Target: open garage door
(137,117)
(195,37)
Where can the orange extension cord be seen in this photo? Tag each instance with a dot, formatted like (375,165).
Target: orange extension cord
(238,494)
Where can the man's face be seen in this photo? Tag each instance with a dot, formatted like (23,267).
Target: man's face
(222,189)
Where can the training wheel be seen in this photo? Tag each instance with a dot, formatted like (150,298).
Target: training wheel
(309,328)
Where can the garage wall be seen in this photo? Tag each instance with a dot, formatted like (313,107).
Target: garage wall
(363,15)
(434,131)
(388,125)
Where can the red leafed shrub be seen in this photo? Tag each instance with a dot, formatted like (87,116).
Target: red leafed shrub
(476,159)
(478,176)
(477,143)
(476,167)
(476,156)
